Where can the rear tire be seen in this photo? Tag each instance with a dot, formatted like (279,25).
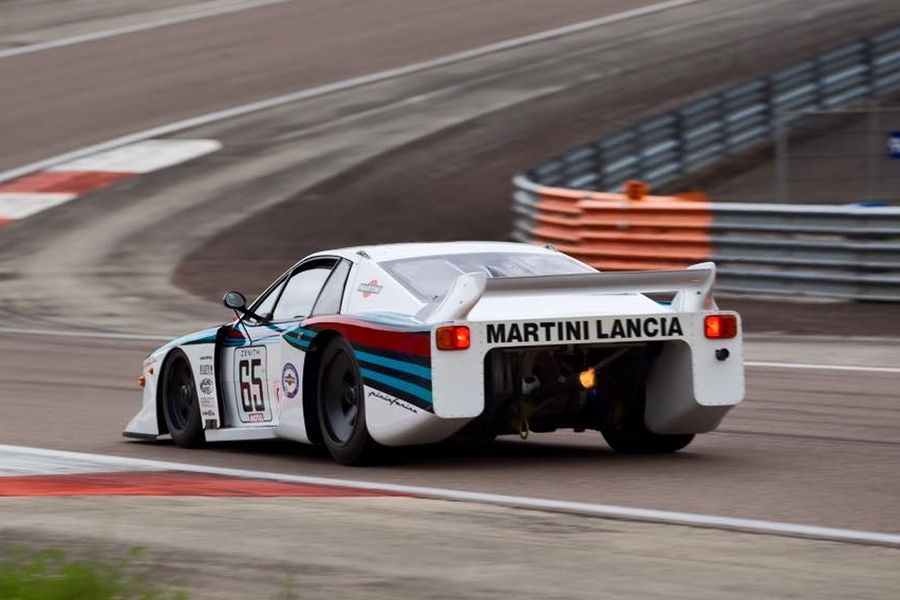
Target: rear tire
(342,407)
(640,440)
(624,430)
(181,408)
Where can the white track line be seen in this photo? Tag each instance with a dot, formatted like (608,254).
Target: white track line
(99,335)
(808,367)
(345,84)
(117,31)
(581,508)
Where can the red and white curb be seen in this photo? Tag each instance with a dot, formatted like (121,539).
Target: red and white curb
(39,191)
(344,487)
(31,472)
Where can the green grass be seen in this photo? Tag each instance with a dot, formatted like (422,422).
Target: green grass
(52,575)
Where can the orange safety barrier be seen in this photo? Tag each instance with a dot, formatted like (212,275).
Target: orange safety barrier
(618,232)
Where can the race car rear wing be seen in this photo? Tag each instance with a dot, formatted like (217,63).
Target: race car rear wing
(692,288)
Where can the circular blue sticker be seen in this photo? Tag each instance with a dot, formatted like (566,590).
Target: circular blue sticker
(290,380)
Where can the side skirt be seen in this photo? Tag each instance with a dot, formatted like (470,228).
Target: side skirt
(236,434)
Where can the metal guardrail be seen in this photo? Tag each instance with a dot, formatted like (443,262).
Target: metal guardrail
(840,252)
(670,146)
(848,252)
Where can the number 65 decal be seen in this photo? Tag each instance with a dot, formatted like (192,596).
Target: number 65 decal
(251,386)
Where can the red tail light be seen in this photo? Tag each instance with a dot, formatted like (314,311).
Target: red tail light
(721,327)
(453,337)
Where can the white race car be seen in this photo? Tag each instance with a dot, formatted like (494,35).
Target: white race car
(404,344)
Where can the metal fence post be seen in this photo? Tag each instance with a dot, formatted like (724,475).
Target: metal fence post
(876,150)
(782,147)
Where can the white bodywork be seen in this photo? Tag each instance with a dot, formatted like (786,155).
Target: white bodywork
(689,389)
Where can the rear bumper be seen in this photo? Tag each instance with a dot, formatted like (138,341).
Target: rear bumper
(690,387)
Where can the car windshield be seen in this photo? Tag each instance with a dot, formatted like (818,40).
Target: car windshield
(430,277)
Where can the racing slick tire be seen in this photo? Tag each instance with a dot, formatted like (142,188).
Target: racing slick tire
(181,408)
(629,434)
(342,407)
(640,440)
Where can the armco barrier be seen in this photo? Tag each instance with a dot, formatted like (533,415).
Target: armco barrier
(666,147)
(834,251)
(841,252)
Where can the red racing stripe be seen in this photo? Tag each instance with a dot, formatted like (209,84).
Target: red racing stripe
(362,333)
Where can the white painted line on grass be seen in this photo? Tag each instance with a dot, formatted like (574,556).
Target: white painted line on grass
(155,24)
(808,367)
(580,508)
(339,86)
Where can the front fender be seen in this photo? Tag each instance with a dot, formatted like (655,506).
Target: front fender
(200,349)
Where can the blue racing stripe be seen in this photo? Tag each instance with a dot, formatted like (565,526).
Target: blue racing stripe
(410,388)
(398,365)
(297,342)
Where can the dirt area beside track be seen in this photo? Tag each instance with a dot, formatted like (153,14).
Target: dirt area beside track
(406,547)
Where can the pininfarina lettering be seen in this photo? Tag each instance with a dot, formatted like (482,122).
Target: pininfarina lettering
(584,331)
(392,401)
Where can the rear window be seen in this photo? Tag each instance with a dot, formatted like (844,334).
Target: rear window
(430,277)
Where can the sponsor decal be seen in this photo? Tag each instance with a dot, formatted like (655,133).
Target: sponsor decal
(209,407)
(584,331)
(290,380)
(392,401)
(373,288)
(209,404)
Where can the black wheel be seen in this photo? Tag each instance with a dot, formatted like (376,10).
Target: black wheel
(342,409)
(625,431)
(641,440)
(180,406)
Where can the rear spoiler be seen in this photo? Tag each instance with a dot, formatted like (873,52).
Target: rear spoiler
(692,288)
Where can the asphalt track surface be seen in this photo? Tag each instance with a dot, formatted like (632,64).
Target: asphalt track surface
(816,448)
(812,447)
(80,95)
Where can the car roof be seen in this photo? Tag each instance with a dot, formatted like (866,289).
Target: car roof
(385,252)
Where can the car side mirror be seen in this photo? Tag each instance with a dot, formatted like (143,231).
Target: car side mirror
(235,301)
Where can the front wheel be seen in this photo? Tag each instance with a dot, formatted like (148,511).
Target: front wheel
(342,407)
(181,408)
